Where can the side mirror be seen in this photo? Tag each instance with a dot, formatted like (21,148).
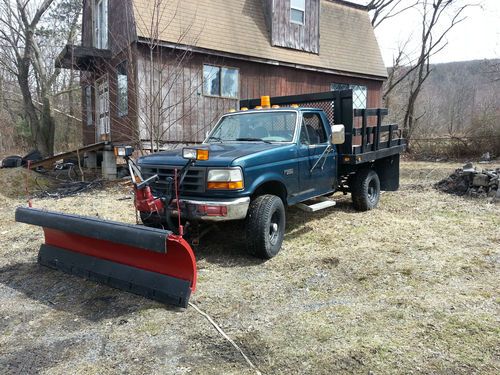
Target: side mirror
(338,134)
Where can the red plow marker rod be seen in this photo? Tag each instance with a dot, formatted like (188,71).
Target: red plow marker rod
(147,261)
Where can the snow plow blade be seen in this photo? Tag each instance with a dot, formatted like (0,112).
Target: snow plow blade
(150,262)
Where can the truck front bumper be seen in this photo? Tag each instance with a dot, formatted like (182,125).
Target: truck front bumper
(213,210)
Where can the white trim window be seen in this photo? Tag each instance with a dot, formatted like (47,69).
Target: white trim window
(297,11)
(221,81)
(101,24)
(359,93)
(102,109)
(122,89)
(88,105)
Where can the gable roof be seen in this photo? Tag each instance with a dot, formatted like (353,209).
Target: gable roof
(238,27)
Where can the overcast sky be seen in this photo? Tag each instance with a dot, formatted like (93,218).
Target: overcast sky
(477,37)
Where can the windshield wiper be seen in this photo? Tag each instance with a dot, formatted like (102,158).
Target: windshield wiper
(252,139)
(217,139)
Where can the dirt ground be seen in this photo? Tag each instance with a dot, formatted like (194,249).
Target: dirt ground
(411,287)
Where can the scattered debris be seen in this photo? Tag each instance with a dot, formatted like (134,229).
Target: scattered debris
(472,182)
(70,188)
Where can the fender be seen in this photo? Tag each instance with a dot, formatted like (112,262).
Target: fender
(265,178)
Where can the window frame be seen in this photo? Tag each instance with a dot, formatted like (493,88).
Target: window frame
(89,110)
(100,34)
(353,87)
(321,125)
(124,63)
(220,67)
(296,8)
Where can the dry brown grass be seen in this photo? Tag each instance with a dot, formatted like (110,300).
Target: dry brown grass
(411,287)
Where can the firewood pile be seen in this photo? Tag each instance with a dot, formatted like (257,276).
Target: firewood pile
(472,182)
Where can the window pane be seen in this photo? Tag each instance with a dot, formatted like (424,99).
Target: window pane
(230,82)
(297,16)
(269,126)
(298,4)
(211,80)
(122,89)
(359,93)
(313,126)
(340,86)
(88,104)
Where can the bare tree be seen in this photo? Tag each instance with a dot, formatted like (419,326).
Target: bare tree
(24,57)
(382,10)
(162,81)
(438,18)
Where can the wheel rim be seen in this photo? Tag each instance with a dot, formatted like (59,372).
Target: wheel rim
(274,228)
(372,191)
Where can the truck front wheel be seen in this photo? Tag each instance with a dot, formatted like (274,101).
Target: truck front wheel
(365,190)
(265,227)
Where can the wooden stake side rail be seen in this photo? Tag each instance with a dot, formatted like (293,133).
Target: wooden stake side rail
(49,162)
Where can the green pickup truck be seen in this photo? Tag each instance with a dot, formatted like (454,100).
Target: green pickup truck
(256,162)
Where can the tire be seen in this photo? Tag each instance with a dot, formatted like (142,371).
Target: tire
(265,227)
(365,190)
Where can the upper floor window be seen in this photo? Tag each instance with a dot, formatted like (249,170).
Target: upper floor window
(220,81)
(359,93)
(101,24)
(297,11)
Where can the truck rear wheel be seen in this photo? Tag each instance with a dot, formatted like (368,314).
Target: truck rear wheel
(265,227)
(365,190)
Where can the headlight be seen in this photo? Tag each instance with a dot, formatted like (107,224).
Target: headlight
(195,154)
(124,151)
(225,179)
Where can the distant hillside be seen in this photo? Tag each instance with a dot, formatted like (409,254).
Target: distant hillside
(458,100)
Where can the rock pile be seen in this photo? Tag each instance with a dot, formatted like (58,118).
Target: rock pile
(473,182)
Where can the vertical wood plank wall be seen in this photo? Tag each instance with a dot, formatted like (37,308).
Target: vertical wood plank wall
(189,119)
(291,35)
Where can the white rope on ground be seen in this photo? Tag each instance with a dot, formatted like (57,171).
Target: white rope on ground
(219,329)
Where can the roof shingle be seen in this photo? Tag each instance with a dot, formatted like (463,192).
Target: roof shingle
(347,39)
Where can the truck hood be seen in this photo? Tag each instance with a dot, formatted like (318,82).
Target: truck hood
(220,154)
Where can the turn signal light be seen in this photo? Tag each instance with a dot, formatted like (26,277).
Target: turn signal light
(231,185)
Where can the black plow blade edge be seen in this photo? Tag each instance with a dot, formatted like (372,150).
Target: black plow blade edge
(156,286)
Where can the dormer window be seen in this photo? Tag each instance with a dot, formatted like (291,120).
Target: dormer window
(101,24)
(297,11)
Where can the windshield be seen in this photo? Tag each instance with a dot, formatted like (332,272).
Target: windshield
(276,126)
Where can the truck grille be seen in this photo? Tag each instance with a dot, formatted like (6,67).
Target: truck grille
(193,183)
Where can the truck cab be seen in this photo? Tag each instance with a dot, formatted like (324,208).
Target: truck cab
(252,165)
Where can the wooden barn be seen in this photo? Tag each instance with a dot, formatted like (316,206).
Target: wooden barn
(160,72)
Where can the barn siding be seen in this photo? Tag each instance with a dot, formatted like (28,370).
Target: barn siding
(291,35)
(187,120)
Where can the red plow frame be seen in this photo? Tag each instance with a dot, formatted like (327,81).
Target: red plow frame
(147,261)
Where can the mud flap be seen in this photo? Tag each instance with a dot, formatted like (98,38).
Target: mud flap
(147,261)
